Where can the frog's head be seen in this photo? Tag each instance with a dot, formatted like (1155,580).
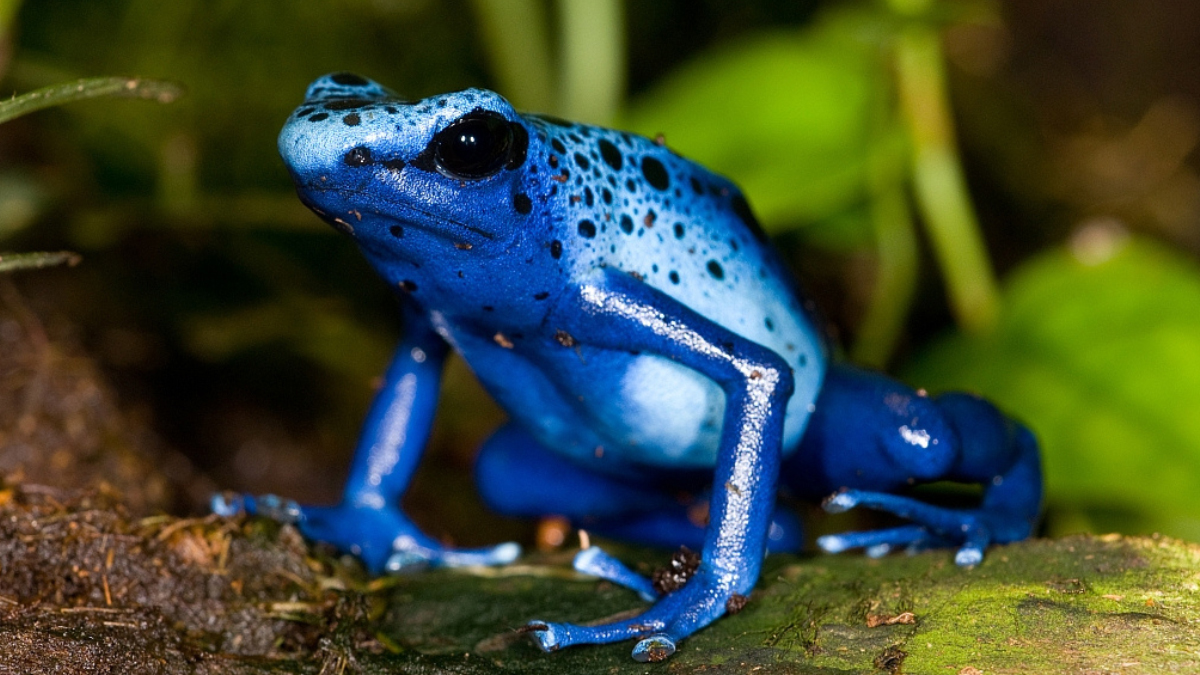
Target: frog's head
(409,180)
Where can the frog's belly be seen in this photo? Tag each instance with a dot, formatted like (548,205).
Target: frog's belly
(652,411)
(666,414)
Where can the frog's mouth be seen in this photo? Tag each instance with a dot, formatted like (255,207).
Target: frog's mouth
(439,225)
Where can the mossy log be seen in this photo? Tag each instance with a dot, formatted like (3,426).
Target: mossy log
(86,588)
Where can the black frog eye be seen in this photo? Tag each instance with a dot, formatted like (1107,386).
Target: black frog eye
(477,145)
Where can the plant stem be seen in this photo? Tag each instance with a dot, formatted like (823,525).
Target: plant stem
(12,262)
(896,270)
(8,12)
(592,75)
(518,47)
(58,94)
(941,188)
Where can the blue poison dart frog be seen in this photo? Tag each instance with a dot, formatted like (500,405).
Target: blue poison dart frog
(626,310)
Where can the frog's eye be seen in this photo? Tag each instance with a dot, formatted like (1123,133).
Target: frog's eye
(477,145)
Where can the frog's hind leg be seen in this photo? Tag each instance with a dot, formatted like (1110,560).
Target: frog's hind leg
(519,477)
(872,436)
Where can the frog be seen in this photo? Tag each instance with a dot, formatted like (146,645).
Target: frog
(665,381)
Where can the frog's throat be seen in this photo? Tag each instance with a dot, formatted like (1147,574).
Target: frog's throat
(447,228)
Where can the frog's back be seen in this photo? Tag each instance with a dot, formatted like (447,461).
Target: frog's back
(629,203)
(486,218)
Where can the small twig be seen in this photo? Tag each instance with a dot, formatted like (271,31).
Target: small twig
(94,610)
(183,523)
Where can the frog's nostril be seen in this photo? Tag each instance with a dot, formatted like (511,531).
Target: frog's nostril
(358,156)
(349,80)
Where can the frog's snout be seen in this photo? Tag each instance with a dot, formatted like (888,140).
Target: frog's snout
(334,119)
(345,87)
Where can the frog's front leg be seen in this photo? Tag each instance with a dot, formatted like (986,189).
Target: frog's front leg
(369,522)
(618,312)
(871,436)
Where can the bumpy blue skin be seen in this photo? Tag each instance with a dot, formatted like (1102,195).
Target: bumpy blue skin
(621,303)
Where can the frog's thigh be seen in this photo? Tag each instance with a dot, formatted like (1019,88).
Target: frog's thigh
(869,432)
(518,476)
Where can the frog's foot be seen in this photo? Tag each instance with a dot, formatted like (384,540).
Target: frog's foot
(878,543)
(673,618)
(972,530)
(385,539)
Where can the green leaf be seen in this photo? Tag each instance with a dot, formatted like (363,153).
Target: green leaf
(58,94)
(787,115)
(1102,359)
(12,262)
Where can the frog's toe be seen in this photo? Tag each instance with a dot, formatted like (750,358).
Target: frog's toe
(409,555)
(544,635)
(939,520)
(553,636)
(968,556)
(596,562)
(840,502)
(876,542)
(836,543)
(977,536)
(500,554)
(406,561)
(268,506)
(878,550)
(382,537)
(654,649)
(659,629)
(227,504)
(934,527)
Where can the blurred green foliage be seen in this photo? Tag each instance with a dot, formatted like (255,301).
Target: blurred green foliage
(1098,348)
(790,116)
(255,332)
